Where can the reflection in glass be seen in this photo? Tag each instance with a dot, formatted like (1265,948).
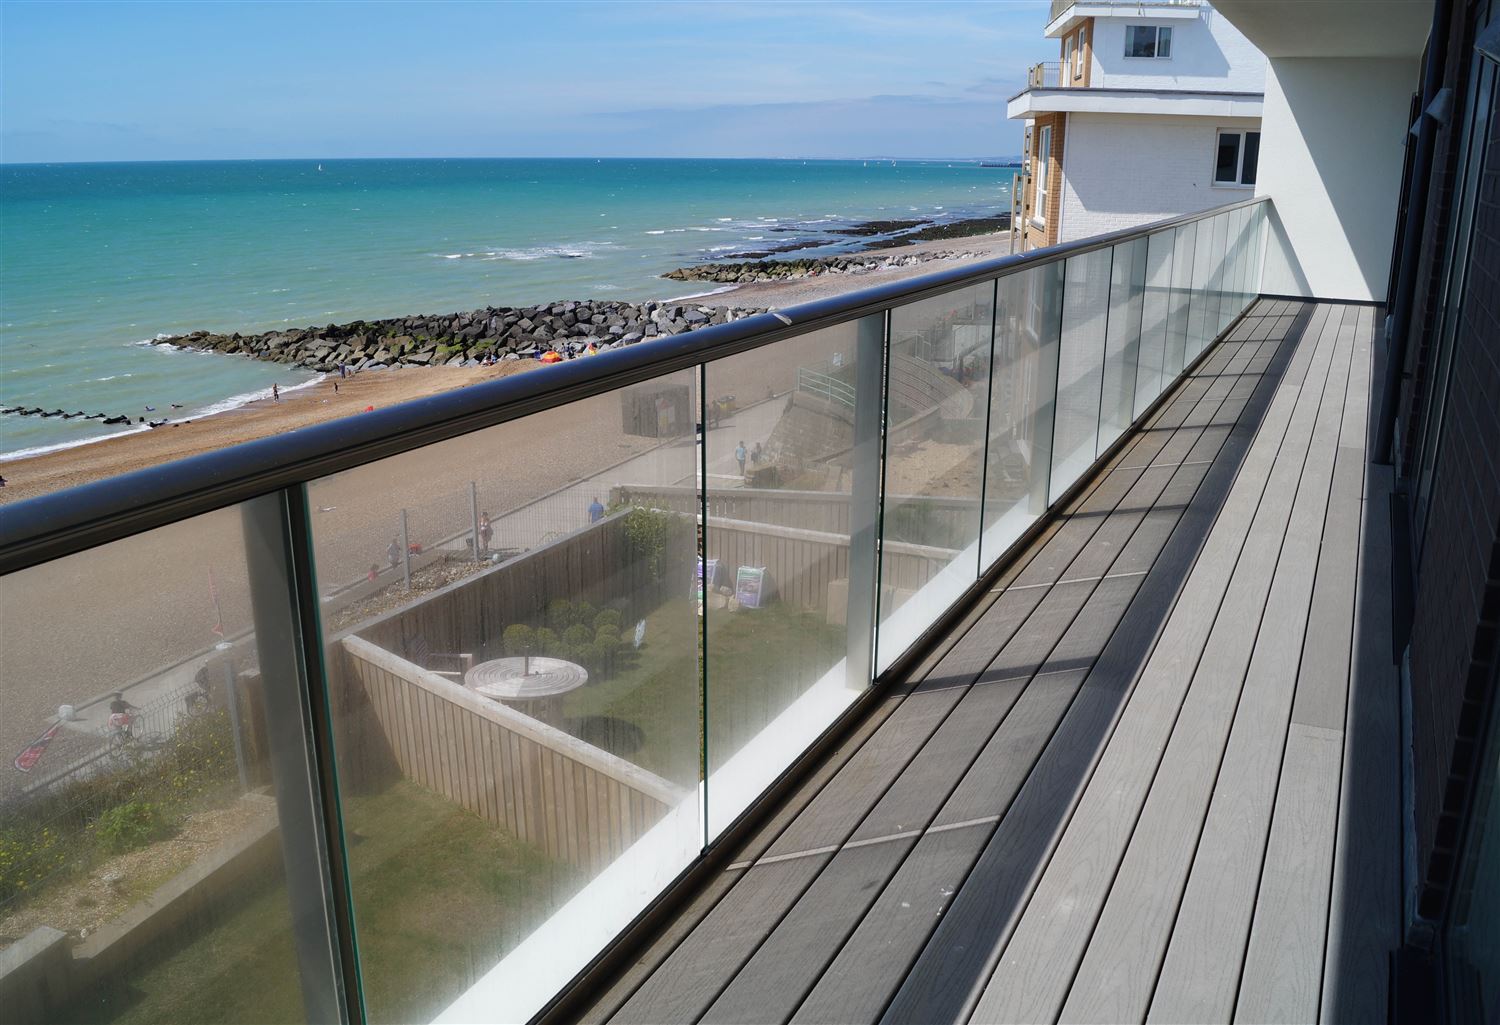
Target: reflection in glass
(938,385)
(518,734)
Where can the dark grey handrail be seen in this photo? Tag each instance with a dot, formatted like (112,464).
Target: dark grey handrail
(56,525)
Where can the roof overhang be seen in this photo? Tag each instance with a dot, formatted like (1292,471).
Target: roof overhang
(1134,101)
(1332,28)
(1076,14)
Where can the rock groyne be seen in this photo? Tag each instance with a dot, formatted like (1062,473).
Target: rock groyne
(743,272)
(457,339)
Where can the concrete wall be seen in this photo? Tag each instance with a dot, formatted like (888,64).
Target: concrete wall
(1207,53)
(1330,158)
(1121,170)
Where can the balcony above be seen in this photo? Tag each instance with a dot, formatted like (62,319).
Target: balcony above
(1049,99)
(1066,15)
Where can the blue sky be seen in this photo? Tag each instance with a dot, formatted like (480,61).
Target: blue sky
(125,81)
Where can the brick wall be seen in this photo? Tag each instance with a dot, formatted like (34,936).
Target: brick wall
(1457,613)
(1046,235)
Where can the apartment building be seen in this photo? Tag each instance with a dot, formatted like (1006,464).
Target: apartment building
(1151,110)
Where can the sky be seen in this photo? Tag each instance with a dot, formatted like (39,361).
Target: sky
(213,81)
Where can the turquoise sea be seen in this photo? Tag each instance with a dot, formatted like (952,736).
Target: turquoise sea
(97,258)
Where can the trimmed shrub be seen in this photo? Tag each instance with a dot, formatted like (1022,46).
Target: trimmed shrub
(519,639)
(133,824)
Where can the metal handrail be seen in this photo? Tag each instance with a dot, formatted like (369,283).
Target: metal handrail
(63,523)
(825,386)
(1037,77)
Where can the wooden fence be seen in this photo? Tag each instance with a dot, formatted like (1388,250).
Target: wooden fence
(826,511)
(593,564)
(568,798)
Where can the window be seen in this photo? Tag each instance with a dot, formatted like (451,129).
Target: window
(1043,158)
(1148,41)
(1078,54)
(1067,61)
(1236,157)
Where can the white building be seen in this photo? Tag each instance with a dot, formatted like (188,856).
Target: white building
(1153,110)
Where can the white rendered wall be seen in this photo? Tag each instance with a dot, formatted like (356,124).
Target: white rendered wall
(1331,153)
(1207,53)
(1122,170)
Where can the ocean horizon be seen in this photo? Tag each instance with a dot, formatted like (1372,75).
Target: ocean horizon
(97,260)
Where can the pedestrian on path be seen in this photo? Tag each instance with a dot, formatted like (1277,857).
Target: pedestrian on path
(739,456)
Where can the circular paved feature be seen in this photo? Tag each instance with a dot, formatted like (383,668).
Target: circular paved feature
(525,679)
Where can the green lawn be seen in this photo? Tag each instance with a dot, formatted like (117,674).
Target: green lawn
(760,660)
(439,896)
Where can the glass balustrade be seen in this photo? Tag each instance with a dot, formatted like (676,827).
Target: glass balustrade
(417,739)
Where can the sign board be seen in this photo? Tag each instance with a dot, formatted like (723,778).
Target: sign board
(749,584)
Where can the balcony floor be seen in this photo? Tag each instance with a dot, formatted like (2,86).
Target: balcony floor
(1152,776)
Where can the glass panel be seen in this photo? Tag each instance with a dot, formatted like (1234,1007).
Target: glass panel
(1154,307)
(1123,340)
(1080,368)
(1140,41)
(519,739)
(780,579)
(937,388)
(1233,267)
(1184,245)
(143,822)
(1164,42)
(1201,305)
(1226,164)
(1244,240)
(1028,319)
(1252,158)
(1217,277)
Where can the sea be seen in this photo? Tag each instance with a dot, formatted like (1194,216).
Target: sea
(99,260)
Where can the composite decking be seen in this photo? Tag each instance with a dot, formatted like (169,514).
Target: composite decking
(1152,776)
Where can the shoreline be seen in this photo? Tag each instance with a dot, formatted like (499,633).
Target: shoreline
(316,402)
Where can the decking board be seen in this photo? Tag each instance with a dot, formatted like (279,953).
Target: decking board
(1117,976)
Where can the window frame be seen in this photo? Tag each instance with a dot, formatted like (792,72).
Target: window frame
(1078,53)
(1242,135)
(1041,179)
(1156,47)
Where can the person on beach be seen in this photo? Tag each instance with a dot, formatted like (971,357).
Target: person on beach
(596,511)
(739,456)
(374,573)
(335,387)
(393,553)
(486,531)
(275,393)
